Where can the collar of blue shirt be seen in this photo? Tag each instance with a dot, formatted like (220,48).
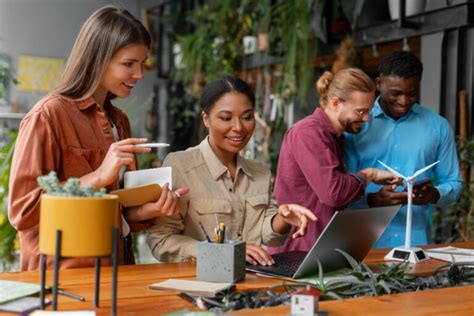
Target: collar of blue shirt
(377,109)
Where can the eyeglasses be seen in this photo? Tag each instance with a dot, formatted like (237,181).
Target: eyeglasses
(362,113)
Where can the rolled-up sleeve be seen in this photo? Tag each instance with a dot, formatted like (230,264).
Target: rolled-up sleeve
(269,237)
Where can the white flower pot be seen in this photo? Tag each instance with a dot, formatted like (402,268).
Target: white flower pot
(250,44)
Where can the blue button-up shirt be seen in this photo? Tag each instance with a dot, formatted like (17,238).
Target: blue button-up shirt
(417,139)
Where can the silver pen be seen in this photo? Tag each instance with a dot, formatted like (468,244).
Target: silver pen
(71,295)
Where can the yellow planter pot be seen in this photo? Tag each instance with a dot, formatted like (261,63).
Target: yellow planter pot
(86,225)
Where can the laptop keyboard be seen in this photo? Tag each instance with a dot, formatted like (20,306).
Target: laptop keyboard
(286,264)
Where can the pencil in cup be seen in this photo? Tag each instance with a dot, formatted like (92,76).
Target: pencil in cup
(222,230)
(205,233)
(219,233)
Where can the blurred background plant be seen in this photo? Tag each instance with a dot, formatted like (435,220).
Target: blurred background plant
(212,43)
(464,209)
(456,223)
(214,46)
(8,240)
(6,77)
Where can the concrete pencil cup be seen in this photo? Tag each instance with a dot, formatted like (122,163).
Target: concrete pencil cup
(221,263)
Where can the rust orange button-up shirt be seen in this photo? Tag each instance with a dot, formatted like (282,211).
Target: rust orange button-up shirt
(69,137)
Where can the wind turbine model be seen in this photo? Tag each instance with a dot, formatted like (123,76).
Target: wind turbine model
(407,252)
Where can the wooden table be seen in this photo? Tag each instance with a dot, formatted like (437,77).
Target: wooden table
(134,297)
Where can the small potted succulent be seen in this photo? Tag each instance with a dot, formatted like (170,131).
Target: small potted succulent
(85,217)
(77,222)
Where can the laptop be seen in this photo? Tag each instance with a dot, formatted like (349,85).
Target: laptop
(353,231)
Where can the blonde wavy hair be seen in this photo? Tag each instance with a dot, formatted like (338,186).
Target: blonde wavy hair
(342,84)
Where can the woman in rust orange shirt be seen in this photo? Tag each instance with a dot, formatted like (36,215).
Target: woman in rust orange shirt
(76,131)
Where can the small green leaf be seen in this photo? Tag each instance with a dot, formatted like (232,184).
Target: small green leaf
(355,266)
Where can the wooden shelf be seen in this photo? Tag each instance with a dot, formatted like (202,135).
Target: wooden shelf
(450,17)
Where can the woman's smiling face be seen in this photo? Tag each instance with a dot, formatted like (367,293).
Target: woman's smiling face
(124,70)
(231,123)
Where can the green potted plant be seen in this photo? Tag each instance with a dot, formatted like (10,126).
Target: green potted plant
(82,213)
(77,221)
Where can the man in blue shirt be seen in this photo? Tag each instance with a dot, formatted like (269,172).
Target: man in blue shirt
(406,136)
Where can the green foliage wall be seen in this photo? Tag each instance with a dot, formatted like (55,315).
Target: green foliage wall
(212,46)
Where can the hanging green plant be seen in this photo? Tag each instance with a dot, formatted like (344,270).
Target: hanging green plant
(292,36)
(214,46)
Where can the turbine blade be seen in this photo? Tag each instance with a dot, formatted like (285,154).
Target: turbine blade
(416,174)
(392,170)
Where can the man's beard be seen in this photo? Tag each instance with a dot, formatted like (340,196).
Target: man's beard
(353,128)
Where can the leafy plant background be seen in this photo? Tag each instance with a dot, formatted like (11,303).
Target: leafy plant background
(7,232)
(456,223)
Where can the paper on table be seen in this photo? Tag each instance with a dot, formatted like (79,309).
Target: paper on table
(66,313)
(22,305)
(201,288)
(449,253)
(11,290)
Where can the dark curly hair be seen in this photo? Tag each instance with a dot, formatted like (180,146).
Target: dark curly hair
(401,64)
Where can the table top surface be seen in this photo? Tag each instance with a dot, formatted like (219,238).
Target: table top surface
(134,297)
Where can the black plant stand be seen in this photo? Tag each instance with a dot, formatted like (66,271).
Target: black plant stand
(57,257)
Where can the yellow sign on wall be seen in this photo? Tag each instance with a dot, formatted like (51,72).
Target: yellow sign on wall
(39,74)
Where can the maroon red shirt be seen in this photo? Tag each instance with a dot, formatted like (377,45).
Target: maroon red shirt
(311,173)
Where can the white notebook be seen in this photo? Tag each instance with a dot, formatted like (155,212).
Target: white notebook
(451,254)
(143,186)
(146,176)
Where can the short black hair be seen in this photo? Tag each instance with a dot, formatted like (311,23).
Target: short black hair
(401,64)
(214,90)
